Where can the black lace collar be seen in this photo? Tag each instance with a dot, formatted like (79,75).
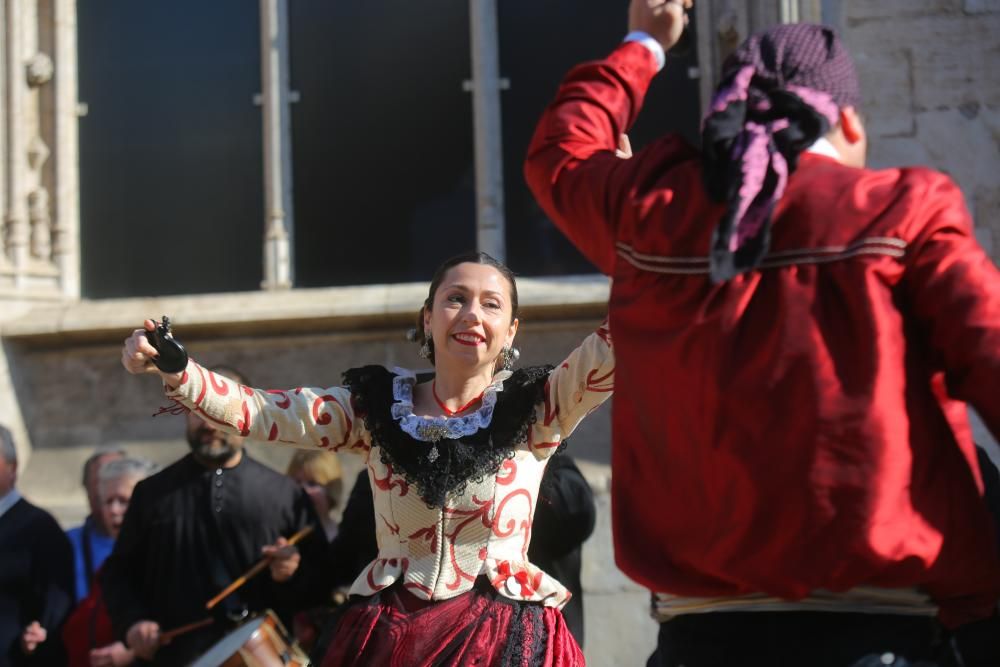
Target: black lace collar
(443,468)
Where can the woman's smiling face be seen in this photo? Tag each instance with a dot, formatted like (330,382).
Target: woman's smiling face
(470,318)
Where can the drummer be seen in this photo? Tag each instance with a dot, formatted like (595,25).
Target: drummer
(193,528)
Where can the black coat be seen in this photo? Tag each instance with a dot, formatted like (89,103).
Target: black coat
(190,531)
(36,583)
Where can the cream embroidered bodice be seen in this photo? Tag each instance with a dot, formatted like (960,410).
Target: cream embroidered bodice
(437,551)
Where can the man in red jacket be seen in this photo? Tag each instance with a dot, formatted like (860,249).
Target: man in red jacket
(798,339)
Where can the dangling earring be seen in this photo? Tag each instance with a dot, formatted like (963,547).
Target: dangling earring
(427,349)
(508,355)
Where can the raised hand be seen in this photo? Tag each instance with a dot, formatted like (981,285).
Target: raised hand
(137,353)
(663,20)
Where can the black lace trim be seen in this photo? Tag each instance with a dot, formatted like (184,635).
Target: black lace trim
(527,638)
(470,458)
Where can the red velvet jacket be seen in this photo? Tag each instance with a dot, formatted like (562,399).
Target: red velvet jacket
(801,426)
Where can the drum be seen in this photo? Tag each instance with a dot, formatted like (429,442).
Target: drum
(260,642)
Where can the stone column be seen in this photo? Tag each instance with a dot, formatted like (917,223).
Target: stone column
(274,76)
(15,216)
(66,222)
(39,205)
(486,85)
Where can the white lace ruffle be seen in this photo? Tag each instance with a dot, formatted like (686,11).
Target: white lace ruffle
(453,427)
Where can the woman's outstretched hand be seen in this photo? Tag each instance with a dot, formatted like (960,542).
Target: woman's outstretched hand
(138,355)
(663,20)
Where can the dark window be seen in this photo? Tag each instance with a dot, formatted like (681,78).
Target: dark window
(539,43)
(382,139)
(170,150)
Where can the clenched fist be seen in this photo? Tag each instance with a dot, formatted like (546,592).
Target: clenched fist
(138,355)
(663,20)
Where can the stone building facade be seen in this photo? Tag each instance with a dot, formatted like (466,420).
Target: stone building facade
(932,97)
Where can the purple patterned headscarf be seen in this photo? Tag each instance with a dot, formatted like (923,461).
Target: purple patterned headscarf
(781,90)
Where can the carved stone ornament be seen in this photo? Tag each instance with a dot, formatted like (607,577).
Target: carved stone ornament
(38,153)
(39,70)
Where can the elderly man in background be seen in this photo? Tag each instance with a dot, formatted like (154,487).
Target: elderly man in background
(36,573)
(92,541)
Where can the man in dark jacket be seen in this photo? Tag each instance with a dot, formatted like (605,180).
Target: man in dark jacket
(36,573)
(195,527)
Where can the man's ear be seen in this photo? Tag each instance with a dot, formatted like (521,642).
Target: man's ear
(851,125)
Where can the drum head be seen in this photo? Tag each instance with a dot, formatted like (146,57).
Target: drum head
(227,647)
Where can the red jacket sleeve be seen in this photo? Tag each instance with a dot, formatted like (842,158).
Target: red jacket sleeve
(954,290)
(571,166)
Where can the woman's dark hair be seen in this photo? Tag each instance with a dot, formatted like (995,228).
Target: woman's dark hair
(471,257)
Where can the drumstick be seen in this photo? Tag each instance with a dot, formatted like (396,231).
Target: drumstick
(253,571)
(165,637)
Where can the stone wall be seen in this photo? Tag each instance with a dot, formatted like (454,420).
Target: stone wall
(932,92)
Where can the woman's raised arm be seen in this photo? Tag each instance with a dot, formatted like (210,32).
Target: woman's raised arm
(575,388)
(302,417)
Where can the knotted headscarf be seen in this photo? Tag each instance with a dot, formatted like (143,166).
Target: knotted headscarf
(781,90)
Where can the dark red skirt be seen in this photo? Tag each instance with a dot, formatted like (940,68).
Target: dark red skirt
(395,628)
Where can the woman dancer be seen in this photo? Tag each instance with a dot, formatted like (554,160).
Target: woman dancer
(454,459)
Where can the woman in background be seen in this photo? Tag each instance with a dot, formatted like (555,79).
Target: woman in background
(87,634)
(320,475)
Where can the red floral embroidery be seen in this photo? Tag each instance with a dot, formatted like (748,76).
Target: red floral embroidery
(204,386)
(324,418)
(393,527)
(603,383)
(284,402)
(507,473)
(604,333)
(481,513)
(428,533)
(539,445)
(382,562)
(550,413)
(387,483)
(209,418)
(513,524)
(244,425)
(218,386)
(420,587)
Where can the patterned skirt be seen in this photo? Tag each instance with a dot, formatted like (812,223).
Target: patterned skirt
(481,627)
